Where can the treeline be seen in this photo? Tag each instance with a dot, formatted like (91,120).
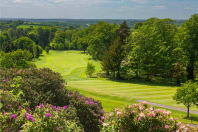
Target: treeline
(156,48)
(32,39)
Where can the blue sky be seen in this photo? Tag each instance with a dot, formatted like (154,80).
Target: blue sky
(98,9)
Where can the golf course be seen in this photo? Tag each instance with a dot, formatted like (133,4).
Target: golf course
(72,65)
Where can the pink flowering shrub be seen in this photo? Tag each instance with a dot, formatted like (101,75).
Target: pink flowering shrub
(44,118)
(48,87)
(9,102)
(50,118)
(89,111)
(142,118)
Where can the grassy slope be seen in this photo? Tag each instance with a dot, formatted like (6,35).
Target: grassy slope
(72,65)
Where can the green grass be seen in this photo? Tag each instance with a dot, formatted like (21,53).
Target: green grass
(72,65)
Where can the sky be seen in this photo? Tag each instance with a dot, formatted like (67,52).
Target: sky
(98,9)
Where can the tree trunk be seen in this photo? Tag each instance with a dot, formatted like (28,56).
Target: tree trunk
(190,69)
(118,75)
(188,111)
(107,73)
(190,73)
(178,82)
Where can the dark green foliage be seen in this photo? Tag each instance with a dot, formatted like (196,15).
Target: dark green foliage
(43,36)
(26,43)
(16,59)
(101,38)
(59,42)
(114,57)
(47,49)
(153,48)
(90,112)
(45,86)
(188,39)
(123,32)
(38,85)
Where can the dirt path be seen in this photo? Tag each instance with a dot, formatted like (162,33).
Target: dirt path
(171,108)
(168,107)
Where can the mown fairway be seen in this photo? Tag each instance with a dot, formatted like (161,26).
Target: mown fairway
(72,65)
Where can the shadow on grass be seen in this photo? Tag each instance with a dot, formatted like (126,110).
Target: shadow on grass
(145,82)
(192,118)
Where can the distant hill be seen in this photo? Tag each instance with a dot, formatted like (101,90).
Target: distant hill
(81,22)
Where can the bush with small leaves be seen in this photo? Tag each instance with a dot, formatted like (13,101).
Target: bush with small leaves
(38,85)
(142,118)
(89,111)
(44,118)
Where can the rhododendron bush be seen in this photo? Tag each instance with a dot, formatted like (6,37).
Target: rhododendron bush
(45,118)
(25,89)
(142,118)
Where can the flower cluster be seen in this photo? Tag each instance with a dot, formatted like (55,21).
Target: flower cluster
(142,117)
(53,118)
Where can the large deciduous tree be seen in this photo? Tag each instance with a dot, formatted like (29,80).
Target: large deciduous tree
(188,36)
(152,45)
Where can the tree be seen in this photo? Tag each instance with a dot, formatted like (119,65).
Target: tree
(123,31)
(187,95)
(114,57)
(90,69)
(99,40)
(43,36)
(24,43)
(58,42)
(152,46)
(16,59)
(188,36)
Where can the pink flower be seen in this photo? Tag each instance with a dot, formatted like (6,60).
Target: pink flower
(133,111)
(179,123)
(47,115)
(58,108)
(86,102)
(28,109)
(151,114)
(13,116)
(104,124)
(166,126)
(41,105)
(142,115)
(65,107)
(102,118)
(144,102)
(158,110)
(29,117)
(20,107)
(140,108)
(119,113)
(151,108)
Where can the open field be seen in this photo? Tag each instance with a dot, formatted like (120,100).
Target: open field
(72,65)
